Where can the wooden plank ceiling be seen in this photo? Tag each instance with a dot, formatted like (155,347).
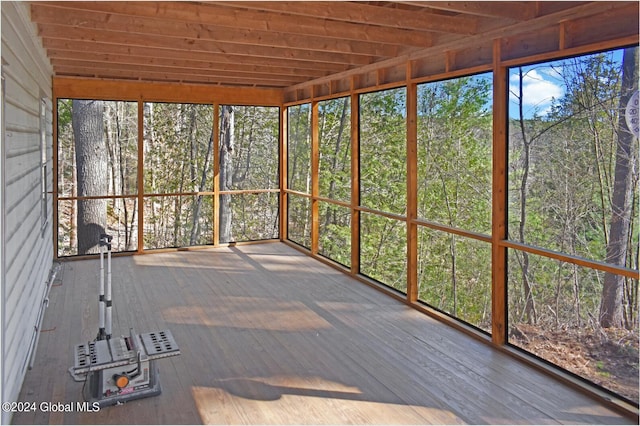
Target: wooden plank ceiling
(261,44)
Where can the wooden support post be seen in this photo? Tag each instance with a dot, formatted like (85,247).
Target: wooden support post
(315,185)
(283,172)
(355,183)
(412,192)
(54,168)
(499,200)
(140,176)
(216,174)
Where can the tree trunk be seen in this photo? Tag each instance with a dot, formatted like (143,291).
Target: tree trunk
(611,306)
(92,173)
(529,307)
(195,225)
(226,172)
(334,161)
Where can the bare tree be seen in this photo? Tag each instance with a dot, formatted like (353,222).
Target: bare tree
(226,171)
(530,307)
(195,225)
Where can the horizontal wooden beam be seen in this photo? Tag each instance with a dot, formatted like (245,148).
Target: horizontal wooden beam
(152,72)
(79,88)
(576,260)
(223,14)
(86,47)
(60,56)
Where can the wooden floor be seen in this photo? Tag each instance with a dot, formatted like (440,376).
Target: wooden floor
(271,336)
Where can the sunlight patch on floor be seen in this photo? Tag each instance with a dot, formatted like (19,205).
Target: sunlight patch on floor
(297,400)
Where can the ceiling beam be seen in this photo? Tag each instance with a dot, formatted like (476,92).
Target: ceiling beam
(167,77)
(179,55)
(369,15)
(84,88)
(170,28)
(159,41)
(225,15)
(105,59)
(519,11)
(80,67)
(579,11)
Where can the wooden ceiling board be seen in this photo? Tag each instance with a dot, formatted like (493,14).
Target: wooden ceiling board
(292,44)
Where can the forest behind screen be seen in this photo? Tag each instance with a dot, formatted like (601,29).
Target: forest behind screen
(572,182)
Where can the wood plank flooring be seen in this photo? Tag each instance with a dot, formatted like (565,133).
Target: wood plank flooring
(271,336)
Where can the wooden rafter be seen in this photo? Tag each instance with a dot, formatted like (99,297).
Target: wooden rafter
(199,45)
(105,52)
(292,44)
(100,21)
(519,11)
(224,15)
(365,14)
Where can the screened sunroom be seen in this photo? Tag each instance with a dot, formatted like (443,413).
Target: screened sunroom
(346,212)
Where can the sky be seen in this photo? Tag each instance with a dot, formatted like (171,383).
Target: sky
(541,84)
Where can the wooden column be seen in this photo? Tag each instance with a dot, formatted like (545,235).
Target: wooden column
(355,183)
(216,173)
(54,168)
(499,200)
(315,185)
(283,172)
(412,192)
(140,176)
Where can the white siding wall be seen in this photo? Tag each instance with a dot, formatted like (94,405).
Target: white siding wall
(27,251)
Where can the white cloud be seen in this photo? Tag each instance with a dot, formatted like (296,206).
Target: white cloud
(537,91)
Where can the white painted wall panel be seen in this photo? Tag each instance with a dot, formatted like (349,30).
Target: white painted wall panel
(27,249)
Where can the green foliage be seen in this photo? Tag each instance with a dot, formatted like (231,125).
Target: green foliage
(454,189)
(299,148)
(178,169)
(335,233)
(256,148)
(564,204)
(64,114)
(299,220)
(334,130)
(383,186)
(561,191)
(455,276)
(454,153)
(334,176)
(254,166)
(177,148)
(383,151)
(383,252)
(178,144)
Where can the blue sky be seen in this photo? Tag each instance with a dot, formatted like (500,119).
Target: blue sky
(541,84)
